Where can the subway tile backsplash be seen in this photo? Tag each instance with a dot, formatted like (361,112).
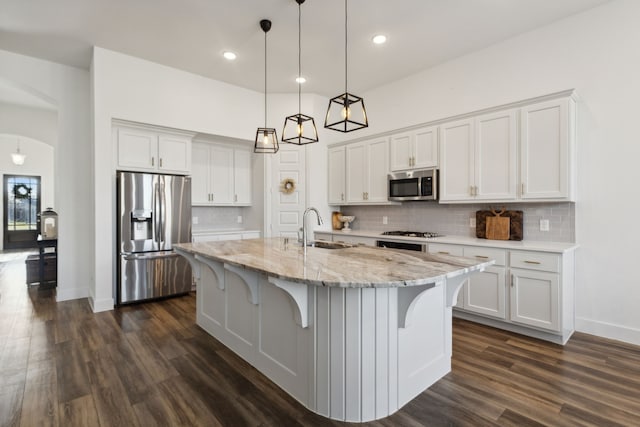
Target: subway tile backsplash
(454,219)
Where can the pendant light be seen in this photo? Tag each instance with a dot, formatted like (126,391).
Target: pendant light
(346,112)
(266,138)
(17,157)
(299,128)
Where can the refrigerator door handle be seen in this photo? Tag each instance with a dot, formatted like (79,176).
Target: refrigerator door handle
(163,213)
(149,255)
(156,213)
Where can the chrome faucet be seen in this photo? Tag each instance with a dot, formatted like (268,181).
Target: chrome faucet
(304,226)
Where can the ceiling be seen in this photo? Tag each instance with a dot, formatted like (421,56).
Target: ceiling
(192,34)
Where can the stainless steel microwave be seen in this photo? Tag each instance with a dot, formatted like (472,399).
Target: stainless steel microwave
(413,185)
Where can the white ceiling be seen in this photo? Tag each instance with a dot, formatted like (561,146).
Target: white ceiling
(192,34)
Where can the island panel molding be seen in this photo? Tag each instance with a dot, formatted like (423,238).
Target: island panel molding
(366,348)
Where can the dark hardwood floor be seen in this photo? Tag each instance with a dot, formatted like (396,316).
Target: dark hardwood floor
(149,365)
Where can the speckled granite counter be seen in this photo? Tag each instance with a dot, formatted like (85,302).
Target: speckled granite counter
(357,266)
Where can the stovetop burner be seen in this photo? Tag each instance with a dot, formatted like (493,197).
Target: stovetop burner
(426,234)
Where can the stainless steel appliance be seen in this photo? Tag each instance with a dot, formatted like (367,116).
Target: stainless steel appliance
(154,212)
(413,185)
(407,245)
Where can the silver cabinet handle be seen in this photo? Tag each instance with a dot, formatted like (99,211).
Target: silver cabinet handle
(235,197)
(342,196)
(512,280)
(482,257)
(522,189)
(160,161)
(475,191)
(153,161)
(532,262)
(443,252)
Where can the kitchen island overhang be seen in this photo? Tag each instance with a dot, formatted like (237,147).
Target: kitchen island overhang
(353,334)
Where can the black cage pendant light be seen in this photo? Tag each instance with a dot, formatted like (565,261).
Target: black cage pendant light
(266,138)
(346,112)
(299,128)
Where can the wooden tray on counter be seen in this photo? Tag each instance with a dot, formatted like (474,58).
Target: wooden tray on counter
(515,226)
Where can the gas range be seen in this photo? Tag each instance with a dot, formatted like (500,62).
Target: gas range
(425,234)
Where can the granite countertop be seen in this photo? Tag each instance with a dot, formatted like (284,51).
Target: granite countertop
(358,266)
(525,245)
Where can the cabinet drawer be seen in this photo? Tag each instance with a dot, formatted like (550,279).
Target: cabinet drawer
(536,261)
(445,249)
(355,240)
(486,254)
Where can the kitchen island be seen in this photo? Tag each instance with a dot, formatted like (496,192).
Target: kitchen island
(352,333)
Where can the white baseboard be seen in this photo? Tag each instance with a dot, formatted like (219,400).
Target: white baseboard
(104,304)
(63,294)
(608,330)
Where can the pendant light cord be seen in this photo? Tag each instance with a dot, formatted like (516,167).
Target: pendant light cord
(299,59)
(265,79)
(345,51)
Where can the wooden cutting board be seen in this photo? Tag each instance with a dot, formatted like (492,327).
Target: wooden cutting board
(515,226)
(498,226)
(336,224)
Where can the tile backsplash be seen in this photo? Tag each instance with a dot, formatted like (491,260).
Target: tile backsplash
(221,218)
(454,219)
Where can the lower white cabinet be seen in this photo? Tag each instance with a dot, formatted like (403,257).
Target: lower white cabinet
(345,238)
(528,292)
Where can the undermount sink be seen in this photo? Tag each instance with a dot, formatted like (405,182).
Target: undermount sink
(330,245)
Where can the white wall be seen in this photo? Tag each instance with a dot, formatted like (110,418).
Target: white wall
(39,162)
(133,89)
(67,89)
(596,53)
(36,123)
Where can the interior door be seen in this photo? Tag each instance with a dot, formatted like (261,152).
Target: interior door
(288,207)
(21,209)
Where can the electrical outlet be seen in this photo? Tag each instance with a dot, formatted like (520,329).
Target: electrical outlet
(544,225)
(194,220)
(472,222)
(385,220)
(239,219)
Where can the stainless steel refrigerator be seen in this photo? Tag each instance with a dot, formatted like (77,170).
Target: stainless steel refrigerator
(154,212)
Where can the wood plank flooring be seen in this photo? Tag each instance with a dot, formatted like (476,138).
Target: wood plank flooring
(150,365)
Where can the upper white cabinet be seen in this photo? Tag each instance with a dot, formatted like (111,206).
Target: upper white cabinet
(415,149)
(221,175)
(337,170)
(151,150)
(367,166)
(547,152)
(478,158)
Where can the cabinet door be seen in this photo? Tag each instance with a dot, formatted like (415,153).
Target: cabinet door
(425,152)
(485,293)
(544,150)
(137,149)
(535,299)
(356,171)
(222,190)
(200,179)
(401,152)
(242,177)
(495,156)
(174,154)
(377,161)
(337,175)
(456,161)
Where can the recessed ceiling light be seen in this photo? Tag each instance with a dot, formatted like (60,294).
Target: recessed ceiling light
(300,79)
(229,55)
(379,39)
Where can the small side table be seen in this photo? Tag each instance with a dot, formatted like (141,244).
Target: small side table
(42,245)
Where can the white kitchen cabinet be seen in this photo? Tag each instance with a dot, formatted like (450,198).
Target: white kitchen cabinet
(147,149)
(415,149)
(221,175)
(367,166)
(337,170)
(529,292)
(484,292)
(478,158)
(546,150)
(354,240)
